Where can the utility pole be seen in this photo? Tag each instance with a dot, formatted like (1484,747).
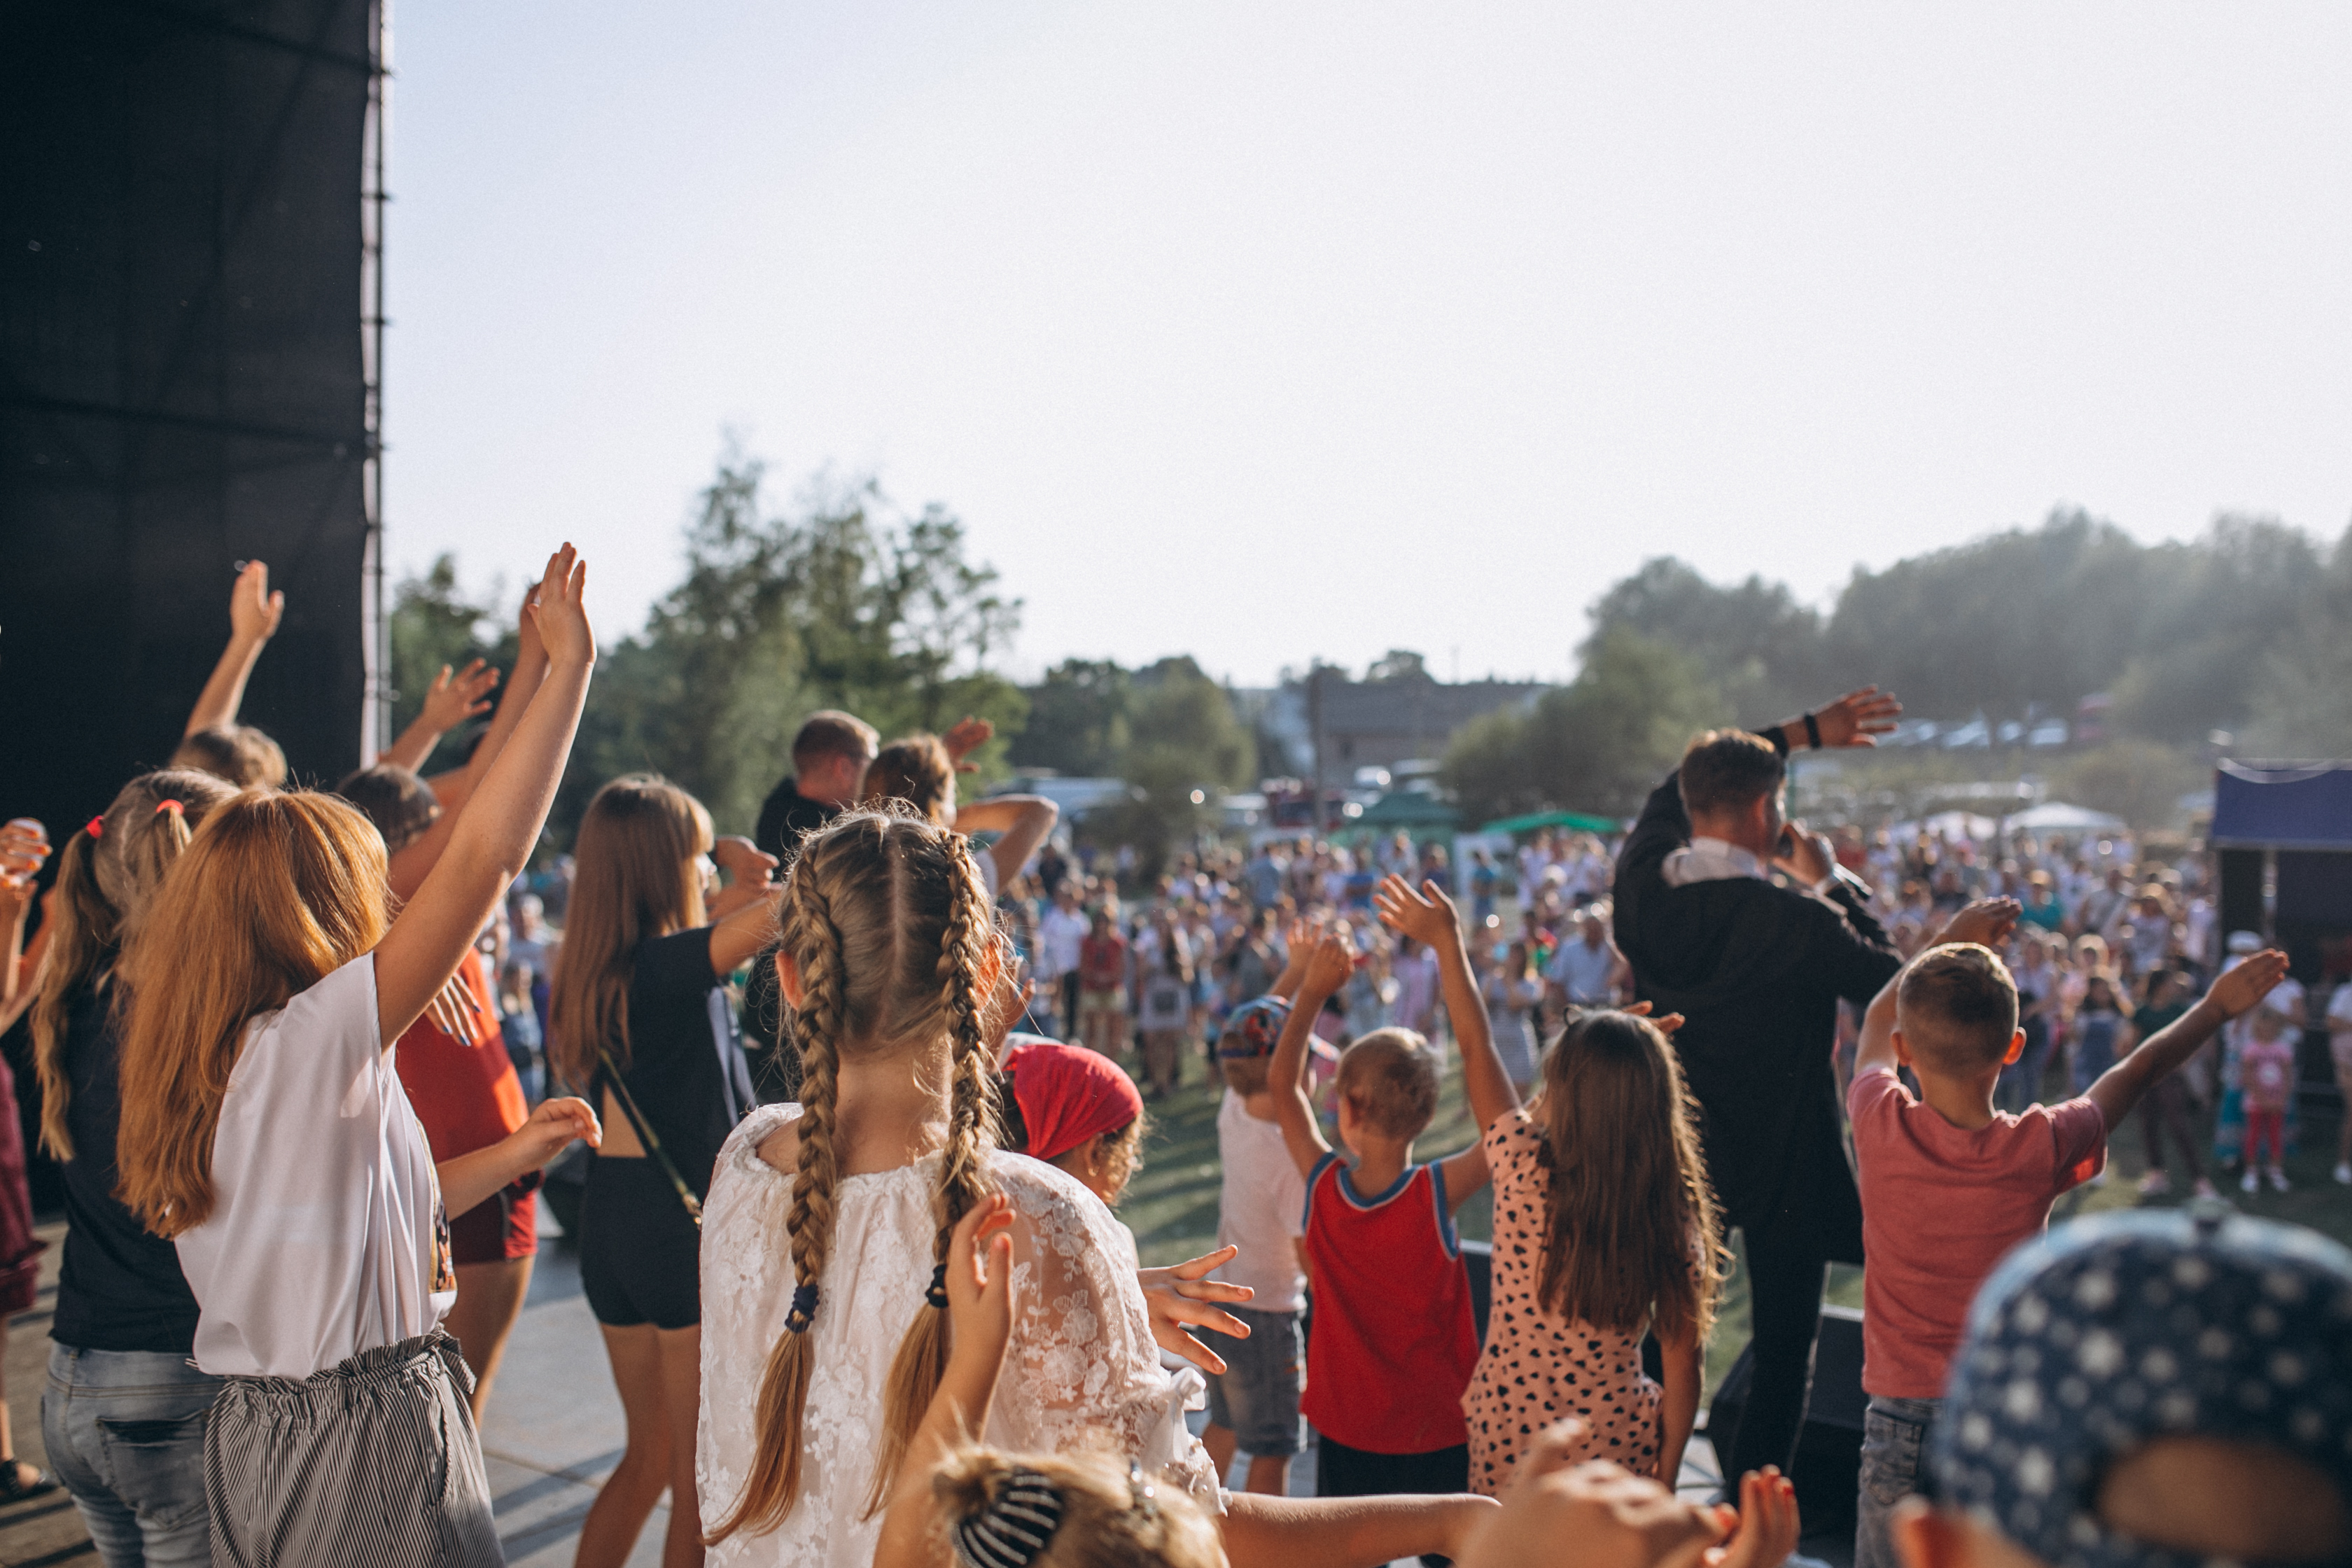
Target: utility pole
(1315,728)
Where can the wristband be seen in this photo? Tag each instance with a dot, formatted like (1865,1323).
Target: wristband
(1812,732)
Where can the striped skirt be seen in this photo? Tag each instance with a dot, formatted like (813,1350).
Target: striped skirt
(374,1461)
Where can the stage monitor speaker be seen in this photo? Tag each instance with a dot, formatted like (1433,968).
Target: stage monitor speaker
(1828,1467)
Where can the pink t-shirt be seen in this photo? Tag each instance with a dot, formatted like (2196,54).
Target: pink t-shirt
(1939,1207)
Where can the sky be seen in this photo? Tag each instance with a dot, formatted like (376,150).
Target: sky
(1270,332)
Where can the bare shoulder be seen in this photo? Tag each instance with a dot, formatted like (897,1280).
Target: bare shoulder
(781,1148)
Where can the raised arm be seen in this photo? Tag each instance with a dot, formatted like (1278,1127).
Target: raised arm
(449,702)
(1430,917)
(1298,945)
(253,615)
(1876,1047)
(2119,1088)
(1856,719)
(1022,821)
(493,838)
(453,789)
(1329,966)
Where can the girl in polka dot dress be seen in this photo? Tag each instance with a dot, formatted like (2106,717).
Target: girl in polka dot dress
(1604,1230)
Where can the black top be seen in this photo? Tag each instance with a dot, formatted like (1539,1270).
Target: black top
(1756,968)
(119,1288)
(685,1071)
(787,817)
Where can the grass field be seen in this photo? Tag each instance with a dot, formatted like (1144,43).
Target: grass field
(1173,1205)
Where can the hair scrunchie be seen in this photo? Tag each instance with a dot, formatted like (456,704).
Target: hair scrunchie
(96,825)
(938,1293)
(1015,1526)
(804,1312)
(173,806)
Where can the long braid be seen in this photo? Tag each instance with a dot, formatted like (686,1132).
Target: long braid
(811,936)
(960,973)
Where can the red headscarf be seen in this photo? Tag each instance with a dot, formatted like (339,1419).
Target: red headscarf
(1068,1094)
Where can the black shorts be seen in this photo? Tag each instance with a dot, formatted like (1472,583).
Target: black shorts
(1342,1472)
(640,1254)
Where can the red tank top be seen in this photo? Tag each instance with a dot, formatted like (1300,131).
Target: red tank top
(467,1097)
(1394,1341)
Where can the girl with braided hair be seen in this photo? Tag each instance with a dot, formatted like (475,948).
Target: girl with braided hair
(828,1229)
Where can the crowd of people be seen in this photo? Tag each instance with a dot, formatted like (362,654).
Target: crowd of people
(857,1096)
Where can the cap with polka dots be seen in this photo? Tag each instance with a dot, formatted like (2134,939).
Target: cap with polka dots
(2117,1330)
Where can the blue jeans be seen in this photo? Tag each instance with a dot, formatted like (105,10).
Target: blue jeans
(1894,1460)
(125,1431)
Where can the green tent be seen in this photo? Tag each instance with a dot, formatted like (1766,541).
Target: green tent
(1411,810)
(1574,821)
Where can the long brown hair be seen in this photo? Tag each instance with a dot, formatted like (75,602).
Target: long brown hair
(275,893)
(916,770)
(887,921)
(103,884)
(1631,1229)
(635,881)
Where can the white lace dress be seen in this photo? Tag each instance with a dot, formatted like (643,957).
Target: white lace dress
(1081,1368)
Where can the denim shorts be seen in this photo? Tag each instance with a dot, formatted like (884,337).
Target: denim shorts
(1256,1396)
(1893,1466)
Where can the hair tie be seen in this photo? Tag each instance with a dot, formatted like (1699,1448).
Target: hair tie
(804,1312)
(96,827)
(1015,1526)
(173,806)
(938,1294)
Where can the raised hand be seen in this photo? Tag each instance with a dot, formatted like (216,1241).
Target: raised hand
(2242,989)
(1328,967)
(753,871)
(23,846)
(452,1011)
(1856,719)
(453,699)
(1427,916)
(1666,1026)
(1991,921)
(965,737)
(555,607)
(1591,1515)
(1768,1523)
(1175,1297)
(252,610)
(980,1282)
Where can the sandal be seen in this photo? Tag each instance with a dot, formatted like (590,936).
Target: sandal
(15,1487)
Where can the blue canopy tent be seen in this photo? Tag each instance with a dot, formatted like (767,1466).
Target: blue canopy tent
(2282,838)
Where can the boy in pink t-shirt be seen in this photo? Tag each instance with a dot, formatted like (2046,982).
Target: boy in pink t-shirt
(1949,1184)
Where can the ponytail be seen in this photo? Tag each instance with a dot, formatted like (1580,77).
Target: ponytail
(105,876)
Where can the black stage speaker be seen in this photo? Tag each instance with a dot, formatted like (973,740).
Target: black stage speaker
(182,379)
(1828,1465)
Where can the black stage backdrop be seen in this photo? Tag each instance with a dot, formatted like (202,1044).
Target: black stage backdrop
(182,383)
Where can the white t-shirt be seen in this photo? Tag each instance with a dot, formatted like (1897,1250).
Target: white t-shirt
(1262,1209)
(1059,932)
(327,1235)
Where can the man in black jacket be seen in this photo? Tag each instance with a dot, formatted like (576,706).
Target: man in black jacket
(1756,966)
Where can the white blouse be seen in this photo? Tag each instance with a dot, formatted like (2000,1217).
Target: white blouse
(1081,1370)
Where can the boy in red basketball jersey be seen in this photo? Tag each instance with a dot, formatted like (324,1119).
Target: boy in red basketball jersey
(1394,1341)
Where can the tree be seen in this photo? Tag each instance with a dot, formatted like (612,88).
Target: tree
(1184,740)
(1600,743)
(1077,720)
(434,623)
(1399,664)
(1760,648)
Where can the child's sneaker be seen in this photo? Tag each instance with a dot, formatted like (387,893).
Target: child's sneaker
(2278,1180)
(2154,1185)
(2251,1182)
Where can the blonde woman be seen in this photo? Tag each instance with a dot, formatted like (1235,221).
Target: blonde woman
(264,1130)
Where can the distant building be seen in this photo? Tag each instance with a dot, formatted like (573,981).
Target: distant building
(1370,723)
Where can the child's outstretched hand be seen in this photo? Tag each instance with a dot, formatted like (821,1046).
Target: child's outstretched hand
(979,1285)
(252,610)
(23,846)
(453,699)
(1592,1515)
(1427,916)
(1328,966)
(1179,1297)
(964,738)
(553,1125)
(557,610)
(2240,990)
(1768,1525)
(1988,921)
